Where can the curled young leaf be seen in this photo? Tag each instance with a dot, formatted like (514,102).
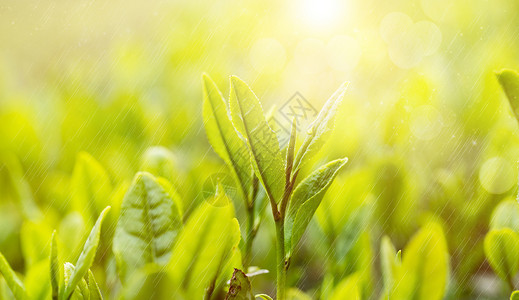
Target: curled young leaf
(148,225)
(249,120)
(240,287)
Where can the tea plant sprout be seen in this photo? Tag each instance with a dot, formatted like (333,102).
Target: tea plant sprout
(244,125)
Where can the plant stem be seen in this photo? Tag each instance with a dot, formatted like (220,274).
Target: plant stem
(281,263)
(251,232)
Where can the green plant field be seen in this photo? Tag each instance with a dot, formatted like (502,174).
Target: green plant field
(285,150)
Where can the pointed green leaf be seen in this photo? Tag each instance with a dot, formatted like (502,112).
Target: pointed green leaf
(509,80)
(389,262)
(205,245)
(93,287)
(320,129)
(501,249)
(249,120)
(425,266)
(14,283)
(54,267)
(80,292)
(223,137)
(305,201)
(148,225)
(91,187)
(240,287)
(86,259)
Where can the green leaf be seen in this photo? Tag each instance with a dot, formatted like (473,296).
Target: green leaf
(425,266)
(389,262)
(247,116)
(86,259)
(320,129)
(348,288)
(80,291)
(501,249)
(54,267)
(223,137)
(506,215)
(148,225)
(36,281)
(263,296)
(91,187)
(509,80)
(14,283)
(35,241)
(93,287)
(150,282)
(204,247)
(515,295)
(240,287)
(305,201)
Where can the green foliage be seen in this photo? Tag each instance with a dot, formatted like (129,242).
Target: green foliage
(148,225)
(501,248)
(424,270)
(249,120)
(509,80)
(305,201)
(14,283)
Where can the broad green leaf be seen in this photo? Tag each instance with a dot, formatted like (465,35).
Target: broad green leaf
(12,280)
(35,241)
(205,245)
(87,256)
(425,266)
(91,187)
(93,288)
(54,267)
(506,215)
(36,281)
(501,249)
(305,201)
(240,287)
(150,282)
(509,80)
(148,225)
(348,288)
(223,137)
(320,129)
(249,120)
(515,295)
(389,263)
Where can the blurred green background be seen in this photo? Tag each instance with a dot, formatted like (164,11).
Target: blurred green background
(425,125)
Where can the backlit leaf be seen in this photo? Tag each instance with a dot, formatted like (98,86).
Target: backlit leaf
(148,225)
(501,248)
(249,120)
(305,201)
(12,280)
(509,80)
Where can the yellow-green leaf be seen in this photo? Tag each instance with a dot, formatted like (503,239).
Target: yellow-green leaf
(348,288)
(321,128)
(266,156)
(148,225)
(509,80)
(86,258)
(501,249)
(204,246)
(305,201)
(12,280)
(223,137)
